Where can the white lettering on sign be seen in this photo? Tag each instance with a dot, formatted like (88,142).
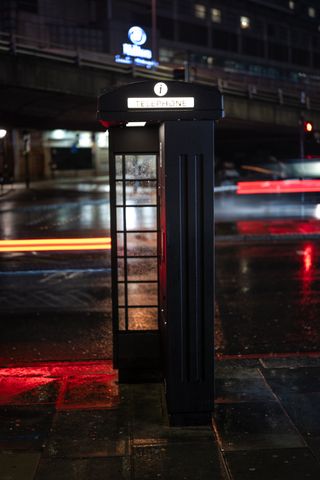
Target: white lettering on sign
(155,103)
(136,51)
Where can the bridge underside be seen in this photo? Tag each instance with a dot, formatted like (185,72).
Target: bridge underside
(44,110)
(38,109)
(40,93)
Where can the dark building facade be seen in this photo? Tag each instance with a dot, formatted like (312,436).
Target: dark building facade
(267,51)
(273,38)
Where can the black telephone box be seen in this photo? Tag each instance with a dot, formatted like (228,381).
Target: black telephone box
(161,189)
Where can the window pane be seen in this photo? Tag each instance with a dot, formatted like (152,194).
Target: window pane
(143,318)
(142,294)
(141,192)
(244,22)
(199,11)
(142,269)
(118,166)
(121,296)
(119,193)
(119,218)
(141,218)
(122,319)
(120,247)
(216,15)
(141,166)
(120,269)
(311,12)
(140,244)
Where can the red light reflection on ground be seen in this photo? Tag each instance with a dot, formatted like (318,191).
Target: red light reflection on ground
(307,258)
(16,388)
(307,273)
(276,227)
(70,385)
(93,391)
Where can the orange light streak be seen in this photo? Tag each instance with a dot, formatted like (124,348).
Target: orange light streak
(55,244)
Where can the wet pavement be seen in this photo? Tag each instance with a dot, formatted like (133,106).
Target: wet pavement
(267,417)
(63,413)
(72,420)
(268,297)
(57,307)
(57,304)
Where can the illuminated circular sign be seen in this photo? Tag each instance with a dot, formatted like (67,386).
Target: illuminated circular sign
(160,89)
(137,35)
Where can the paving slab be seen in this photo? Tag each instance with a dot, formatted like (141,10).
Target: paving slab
(88,433)
(304,411)
(24,427)
(284,381)
(178,462)
(300,361)
(89,392)
(233,385)
(18,466)
(274,464)
(245,426)
(110,468)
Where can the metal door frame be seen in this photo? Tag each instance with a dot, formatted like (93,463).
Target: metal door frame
(136,353)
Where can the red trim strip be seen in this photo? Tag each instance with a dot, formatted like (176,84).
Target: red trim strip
(256,356)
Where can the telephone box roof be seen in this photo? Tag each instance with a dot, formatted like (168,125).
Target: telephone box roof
(158,101)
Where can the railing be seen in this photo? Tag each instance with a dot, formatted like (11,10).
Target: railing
(305,96)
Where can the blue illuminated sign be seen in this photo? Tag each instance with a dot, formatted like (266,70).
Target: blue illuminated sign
(137,36)
(132,53)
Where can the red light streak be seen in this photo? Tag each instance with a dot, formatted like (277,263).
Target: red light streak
(278,227)
(277,186)
(55,244)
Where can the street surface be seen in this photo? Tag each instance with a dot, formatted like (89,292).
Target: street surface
(62,412)
(268,297)
(57,305)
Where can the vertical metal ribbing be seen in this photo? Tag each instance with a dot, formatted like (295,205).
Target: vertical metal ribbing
(191,265)
(195,254)
(200,265)
(194,281)
(183,265)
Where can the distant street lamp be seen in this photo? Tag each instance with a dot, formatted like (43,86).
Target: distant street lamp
(3,132)
(26,151)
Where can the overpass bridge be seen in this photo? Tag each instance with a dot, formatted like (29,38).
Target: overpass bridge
(47,86)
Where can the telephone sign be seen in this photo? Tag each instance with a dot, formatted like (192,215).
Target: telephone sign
(160,101)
